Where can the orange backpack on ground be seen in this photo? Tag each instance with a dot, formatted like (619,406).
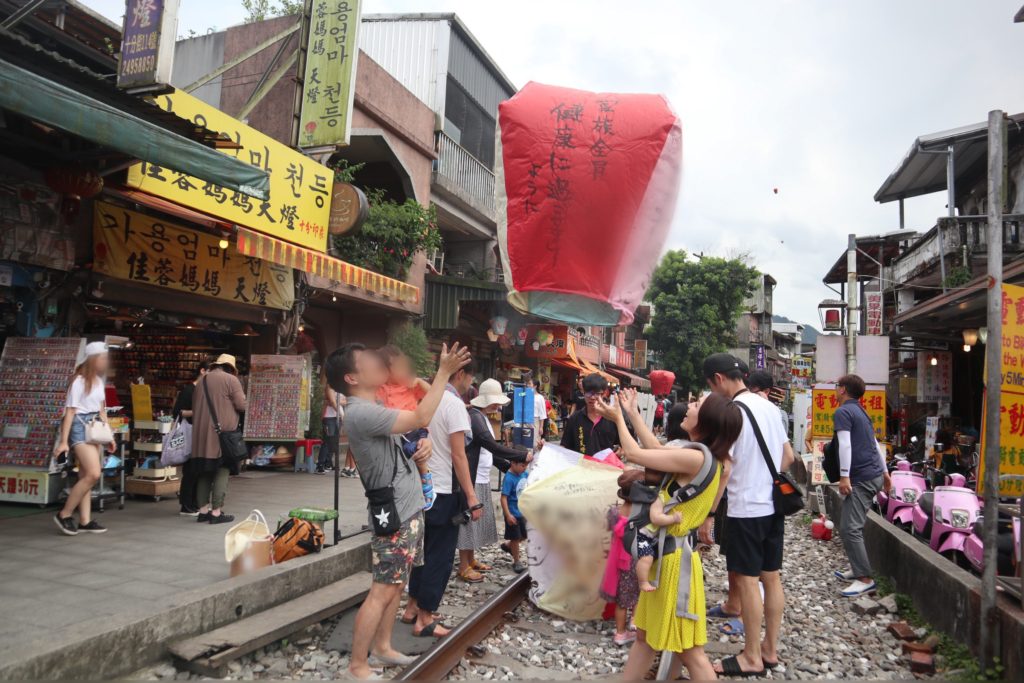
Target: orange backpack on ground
(295,538)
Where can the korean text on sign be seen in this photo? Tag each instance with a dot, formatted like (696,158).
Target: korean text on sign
(132,246)
(299,203)
(329,85)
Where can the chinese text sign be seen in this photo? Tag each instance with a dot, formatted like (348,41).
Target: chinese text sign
(329,85)
(132,246)
(824,404)
(147,45)
(1011,401)
(299,203)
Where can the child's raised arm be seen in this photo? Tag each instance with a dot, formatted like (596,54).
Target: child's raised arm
(659,516)
(450,363)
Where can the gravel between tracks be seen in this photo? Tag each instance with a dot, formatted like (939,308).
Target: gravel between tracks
(822,636)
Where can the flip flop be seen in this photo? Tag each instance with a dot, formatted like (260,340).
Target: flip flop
(481,567)
(718,612)
(731,667)
(733,627)
(771,666)
(471,576)
(407,621)
(428,630)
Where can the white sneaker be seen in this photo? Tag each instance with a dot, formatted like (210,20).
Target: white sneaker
(848,575)
(858,588)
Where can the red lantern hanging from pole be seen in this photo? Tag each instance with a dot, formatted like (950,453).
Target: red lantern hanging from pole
(586,188)
(75,184)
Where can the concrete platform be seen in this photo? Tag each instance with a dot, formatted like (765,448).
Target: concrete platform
(69,604)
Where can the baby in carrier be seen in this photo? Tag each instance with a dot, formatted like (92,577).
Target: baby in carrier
(643,485)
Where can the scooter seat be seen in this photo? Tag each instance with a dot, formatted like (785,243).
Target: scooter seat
(926,500)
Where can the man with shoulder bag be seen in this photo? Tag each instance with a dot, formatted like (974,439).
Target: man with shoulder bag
(393,489)
(759,499)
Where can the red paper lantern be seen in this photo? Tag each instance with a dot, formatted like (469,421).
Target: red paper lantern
(75,184)
(586,189)
(661,382)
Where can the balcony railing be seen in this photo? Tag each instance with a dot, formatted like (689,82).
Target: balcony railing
(464,175)
(959,233)
(468,270)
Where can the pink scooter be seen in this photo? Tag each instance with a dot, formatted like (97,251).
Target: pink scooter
(1008,541)
(945,516)
(898,503)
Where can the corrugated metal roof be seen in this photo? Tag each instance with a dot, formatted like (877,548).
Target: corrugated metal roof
(413,50)
(467,68)
(923,169)
(441,305)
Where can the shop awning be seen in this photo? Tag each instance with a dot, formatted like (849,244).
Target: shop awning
(441,307)
(41,99)
(635,381)
(277,251)
(567,363)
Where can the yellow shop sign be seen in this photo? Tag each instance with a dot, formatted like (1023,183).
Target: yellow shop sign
(299,203)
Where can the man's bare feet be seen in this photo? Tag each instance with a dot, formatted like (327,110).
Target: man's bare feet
(647,587)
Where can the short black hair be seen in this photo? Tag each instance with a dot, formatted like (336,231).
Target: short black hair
(853,384)
(674,422)
(469,368)
(594,382)
(340,363)
(760,380)
(204,366)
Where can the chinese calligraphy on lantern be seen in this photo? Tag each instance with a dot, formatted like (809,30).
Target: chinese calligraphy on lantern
(824,404)
(329,86)
(299,203)
(133,246)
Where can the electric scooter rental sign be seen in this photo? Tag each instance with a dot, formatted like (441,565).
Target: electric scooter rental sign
(1011,399)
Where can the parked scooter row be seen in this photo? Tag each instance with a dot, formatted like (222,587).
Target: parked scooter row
(944,511)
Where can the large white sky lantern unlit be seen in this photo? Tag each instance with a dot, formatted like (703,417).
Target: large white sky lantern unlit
(586,189)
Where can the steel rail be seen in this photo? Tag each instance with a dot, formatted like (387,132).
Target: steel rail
(447,652)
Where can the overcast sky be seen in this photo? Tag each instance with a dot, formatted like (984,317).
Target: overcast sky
(818,99)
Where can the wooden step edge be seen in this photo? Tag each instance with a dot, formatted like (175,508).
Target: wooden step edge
(209,654)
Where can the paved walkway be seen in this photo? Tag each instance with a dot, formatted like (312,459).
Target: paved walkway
(50,580)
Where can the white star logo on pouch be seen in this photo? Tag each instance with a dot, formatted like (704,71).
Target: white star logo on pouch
(383,517)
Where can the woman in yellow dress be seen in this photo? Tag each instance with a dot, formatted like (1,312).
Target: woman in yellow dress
(672,618)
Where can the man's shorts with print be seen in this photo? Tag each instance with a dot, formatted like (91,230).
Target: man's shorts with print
(394,556)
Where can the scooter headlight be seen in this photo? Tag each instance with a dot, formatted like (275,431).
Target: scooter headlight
(960,519)
(909,495)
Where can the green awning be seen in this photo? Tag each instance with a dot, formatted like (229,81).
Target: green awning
(444,293)
(35,97)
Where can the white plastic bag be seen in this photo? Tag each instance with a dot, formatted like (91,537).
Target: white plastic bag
(177,444)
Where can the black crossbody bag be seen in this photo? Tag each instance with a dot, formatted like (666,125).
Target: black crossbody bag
(232,447)
(383,510)
(785,494)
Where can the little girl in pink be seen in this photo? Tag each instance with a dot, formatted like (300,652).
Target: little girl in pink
(620,584)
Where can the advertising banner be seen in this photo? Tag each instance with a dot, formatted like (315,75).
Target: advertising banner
(1011,400)
(133,246)
(330,82)
(299,204)
(824,404)
(147,44)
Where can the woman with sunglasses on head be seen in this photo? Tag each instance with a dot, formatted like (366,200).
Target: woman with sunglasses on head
(86,401)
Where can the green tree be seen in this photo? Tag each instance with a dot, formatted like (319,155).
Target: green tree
(258,10)
(696,305)
(412,341)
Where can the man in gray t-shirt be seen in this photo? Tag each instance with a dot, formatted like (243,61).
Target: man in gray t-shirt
(379,456)
(358,373)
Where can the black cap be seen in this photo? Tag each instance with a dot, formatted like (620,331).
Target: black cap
(722,363)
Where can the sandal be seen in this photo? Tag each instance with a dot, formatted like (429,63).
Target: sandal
(481,567)
(731,667)
(718,612)
(770,666)
(429,629)
(470,575)
(733,627)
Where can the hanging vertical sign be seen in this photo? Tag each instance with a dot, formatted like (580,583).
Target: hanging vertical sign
(147,43)
(329,85)
(873,311)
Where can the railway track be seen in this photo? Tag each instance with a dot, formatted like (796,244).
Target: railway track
(439,661)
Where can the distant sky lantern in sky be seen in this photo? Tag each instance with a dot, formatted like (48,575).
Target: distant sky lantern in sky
(586,190)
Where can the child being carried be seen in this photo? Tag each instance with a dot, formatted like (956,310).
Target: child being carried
(647,536)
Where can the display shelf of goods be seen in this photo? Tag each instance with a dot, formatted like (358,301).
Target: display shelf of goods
(276,385)
(30,411)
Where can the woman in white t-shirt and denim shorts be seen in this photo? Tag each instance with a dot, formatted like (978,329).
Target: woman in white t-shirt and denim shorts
(85,402)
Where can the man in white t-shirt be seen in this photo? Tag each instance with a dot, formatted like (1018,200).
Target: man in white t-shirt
(540,412)
(754,543)
(454,486)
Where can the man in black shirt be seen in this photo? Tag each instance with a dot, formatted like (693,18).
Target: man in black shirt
(586,431)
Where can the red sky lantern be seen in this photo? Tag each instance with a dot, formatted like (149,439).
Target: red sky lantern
(661,382)
(586,188)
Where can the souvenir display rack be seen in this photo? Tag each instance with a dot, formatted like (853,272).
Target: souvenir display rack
(30,414)
(278,396)
(168,361)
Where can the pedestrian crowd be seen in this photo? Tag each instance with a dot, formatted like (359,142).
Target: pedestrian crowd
(424,454)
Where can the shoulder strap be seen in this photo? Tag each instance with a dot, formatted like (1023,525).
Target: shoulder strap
(209,404)
(760,439)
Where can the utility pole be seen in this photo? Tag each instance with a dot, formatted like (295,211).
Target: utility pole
(852,310)
(993,384)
